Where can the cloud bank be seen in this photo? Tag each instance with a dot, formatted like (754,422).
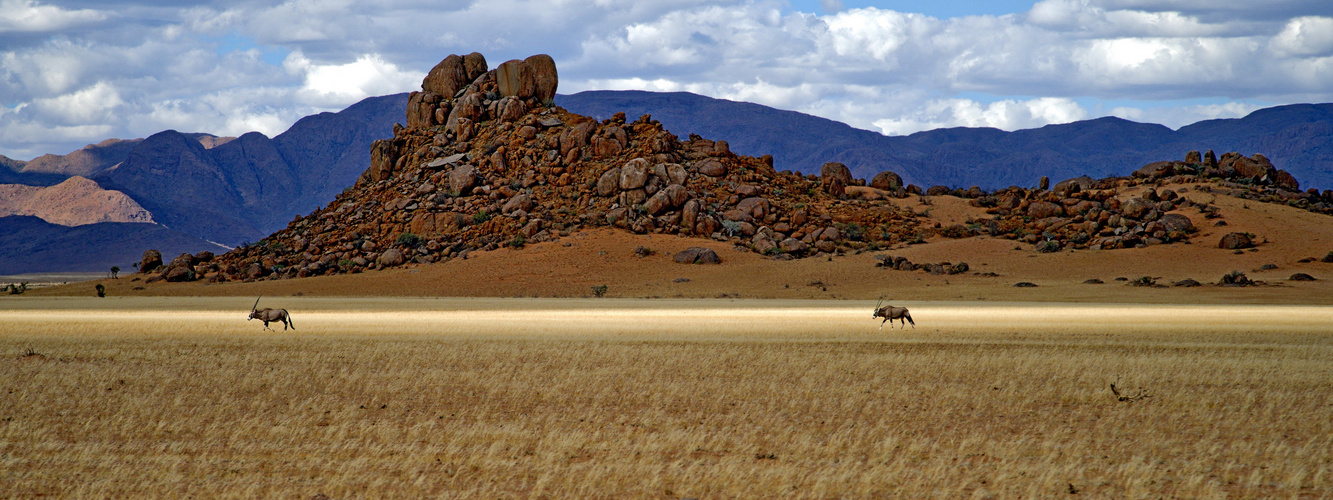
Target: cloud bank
(82,71)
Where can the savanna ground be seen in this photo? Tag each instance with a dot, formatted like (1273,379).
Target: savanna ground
(400,397)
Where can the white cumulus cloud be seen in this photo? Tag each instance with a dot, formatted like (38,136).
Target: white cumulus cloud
(129,68)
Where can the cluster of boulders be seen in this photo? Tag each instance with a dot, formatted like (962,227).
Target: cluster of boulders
(1253,177)
(1085,214)
(185,267)
(901,263)
(486,161)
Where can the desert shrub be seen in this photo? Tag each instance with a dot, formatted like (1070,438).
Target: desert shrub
(408,239)
(101,290)
(851,231)
(519,241)
(598,291)
(1144,281)
(957,231)
(732,227)
(1235,278)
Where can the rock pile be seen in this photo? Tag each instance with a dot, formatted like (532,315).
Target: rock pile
(1085,214)
(1252,177)
(486,161)
(901,263)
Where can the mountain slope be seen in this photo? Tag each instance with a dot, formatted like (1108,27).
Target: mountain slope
(36,246)
(248,187)
(75,202)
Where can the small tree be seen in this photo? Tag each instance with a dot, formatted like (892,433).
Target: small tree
(101,290)
(114,271)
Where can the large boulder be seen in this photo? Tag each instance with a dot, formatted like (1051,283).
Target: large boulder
(463,179)
(522,202)
(697,255)
(1254,167)
(421,109)
(544,76)
(1155,170)
(755,206)
(474,65)
(511,109)
(711,167)
(447,77)
(1175,222)
(887,181)
(1284,180)
(634,174)
(793,246)
(391,257)
(180,269)
(1136,207)
(1071,186)
(515,78)
(689,215)
(609,183)
(152,259)
(178,274)
(832,171)
(1043,209)
(1235,241)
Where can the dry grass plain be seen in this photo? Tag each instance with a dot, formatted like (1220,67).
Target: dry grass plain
(387,397)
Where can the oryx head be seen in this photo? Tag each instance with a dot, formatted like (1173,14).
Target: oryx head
(254,310)
(877,309)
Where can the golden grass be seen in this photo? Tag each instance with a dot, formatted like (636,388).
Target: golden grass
(616,398)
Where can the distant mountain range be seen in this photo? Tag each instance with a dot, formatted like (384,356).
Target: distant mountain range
(1297,138)
(201,188)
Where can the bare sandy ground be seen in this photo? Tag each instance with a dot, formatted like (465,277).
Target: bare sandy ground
(680,319)
(573,265)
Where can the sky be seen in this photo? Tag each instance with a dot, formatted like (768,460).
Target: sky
(77,72)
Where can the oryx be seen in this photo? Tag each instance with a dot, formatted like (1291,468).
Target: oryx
(268,314)
(890,313)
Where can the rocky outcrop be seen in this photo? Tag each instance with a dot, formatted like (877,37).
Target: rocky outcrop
(502,165)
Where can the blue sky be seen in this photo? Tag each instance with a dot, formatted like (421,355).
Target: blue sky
(77,72)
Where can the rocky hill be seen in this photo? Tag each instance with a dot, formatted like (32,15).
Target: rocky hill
(486,160)
(75,202)
(1297,138)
